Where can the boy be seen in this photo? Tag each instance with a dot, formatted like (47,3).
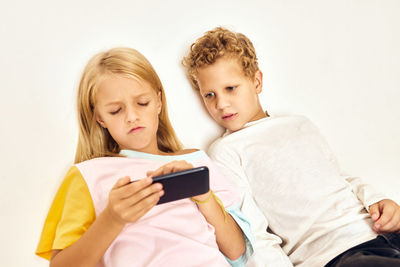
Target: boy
(283,165)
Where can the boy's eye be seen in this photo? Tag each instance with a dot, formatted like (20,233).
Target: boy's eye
(115,112)
(143,103)
(209,95)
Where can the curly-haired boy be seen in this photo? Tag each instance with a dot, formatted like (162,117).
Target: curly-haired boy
(283,166)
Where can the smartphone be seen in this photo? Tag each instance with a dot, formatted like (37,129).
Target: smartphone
(183,184)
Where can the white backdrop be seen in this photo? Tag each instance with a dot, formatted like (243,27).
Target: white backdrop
(336,62)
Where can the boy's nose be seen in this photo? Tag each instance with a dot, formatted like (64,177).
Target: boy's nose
(222,102)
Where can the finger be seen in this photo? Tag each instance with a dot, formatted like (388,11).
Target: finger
(132,188)
(143,194)
(137,211)
(121,182)
(374,211)
(173,166)
(387,214)
(122,207)
(392,225)
(165,169)
(156,172)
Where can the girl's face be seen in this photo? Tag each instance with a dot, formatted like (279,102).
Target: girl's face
(129,110)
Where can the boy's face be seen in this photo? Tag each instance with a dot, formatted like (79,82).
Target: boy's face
(230,97)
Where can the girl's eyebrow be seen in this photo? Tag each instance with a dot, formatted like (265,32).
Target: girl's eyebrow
(118,101)
(113,103)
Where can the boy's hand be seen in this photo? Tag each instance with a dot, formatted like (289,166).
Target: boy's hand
(128,202)
(386,216)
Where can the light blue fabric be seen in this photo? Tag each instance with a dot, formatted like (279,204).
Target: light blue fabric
(244,224)
(189,156)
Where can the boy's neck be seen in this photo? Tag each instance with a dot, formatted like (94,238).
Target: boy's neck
(263,116)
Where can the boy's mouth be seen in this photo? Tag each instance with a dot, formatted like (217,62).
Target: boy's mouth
(229,116)
(136,129)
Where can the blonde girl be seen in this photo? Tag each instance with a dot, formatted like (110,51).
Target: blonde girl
(100,218)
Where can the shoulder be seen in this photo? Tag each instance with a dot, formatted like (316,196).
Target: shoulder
(72,177)
(73,183)
(217,145)
(291,117)
(223,150)
(277,122)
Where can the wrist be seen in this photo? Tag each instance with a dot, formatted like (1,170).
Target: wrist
(112,219)
(201,199)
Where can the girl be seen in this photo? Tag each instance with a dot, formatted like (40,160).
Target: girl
(100,219)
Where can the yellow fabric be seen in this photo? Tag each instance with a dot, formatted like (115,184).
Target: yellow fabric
(204,201)
(219,202)
(70,215)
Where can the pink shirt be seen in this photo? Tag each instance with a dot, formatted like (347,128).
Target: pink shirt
(170,234)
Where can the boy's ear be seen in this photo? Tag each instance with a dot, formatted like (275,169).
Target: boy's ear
(258,77)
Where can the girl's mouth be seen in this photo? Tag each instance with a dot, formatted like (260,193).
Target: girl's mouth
(229,116)
(136,129)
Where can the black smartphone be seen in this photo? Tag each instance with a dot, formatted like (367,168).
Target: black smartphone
(183,184)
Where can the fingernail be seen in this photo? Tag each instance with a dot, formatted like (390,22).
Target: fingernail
(161,193)
(158,186)
(378,226)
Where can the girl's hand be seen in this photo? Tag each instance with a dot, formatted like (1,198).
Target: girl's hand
(128,202)
(386,216)
(173,166)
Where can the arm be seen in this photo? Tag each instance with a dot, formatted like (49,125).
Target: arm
(365,193)
(89,249)
(267,249)
(384,212)
(228,234)
(128,202)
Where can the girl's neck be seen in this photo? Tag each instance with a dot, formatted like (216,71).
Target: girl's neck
(148,150)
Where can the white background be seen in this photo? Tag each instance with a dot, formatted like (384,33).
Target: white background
(337,62)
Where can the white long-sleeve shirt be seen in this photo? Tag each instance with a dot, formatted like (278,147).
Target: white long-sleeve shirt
(291,184)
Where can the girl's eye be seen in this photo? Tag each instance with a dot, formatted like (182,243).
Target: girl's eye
(209,95)
(115,112)
(143,104)
(231,88)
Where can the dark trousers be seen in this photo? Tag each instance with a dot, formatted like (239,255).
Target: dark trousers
(384,251)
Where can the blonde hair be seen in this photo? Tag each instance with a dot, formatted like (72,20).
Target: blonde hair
(217,43)
(95,141)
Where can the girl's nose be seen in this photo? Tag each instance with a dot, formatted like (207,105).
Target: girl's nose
(131,115)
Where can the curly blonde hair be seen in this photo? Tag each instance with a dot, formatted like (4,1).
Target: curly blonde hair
(217,43)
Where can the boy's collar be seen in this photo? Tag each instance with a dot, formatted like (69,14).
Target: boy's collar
(227,131)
